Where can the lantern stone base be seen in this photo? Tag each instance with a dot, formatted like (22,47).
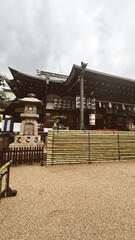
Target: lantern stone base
(27,141)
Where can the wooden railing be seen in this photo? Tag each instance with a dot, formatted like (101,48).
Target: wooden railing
(22,155)
(5,171)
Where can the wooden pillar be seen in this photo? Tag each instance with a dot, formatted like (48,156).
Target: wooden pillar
(83,66)
(45,101)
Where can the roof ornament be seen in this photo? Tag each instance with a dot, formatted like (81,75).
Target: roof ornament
(38,72)
(47,79)
(83,66)
(32,95)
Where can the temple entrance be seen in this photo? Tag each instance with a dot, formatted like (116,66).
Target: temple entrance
(109,122)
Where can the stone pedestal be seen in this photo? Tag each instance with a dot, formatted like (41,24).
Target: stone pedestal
(27,141)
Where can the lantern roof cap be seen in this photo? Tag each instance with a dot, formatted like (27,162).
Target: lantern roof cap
(31,98)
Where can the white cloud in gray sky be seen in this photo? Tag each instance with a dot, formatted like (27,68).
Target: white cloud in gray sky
(52,35)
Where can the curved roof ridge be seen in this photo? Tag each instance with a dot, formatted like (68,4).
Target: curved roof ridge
(15,72)
(106,74)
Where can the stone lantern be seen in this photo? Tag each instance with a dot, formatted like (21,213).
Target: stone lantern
(28,136)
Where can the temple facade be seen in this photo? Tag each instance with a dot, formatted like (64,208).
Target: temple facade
(109,101)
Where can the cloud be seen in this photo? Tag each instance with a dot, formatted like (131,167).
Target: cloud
(53,35)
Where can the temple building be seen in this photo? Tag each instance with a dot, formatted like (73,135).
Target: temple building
(109,101)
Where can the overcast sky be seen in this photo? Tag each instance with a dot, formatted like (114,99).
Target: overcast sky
(52,35)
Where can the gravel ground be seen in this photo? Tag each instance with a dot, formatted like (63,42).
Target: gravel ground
(95,201)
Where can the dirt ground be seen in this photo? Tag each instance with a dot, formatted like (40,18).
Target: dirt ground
(92,202)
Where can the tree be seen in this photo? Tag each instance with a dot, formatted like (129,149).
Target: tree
(4,101)
(3,78)
(56,120)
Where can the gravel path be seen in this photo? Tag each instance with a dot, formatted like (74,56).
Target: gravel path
(92,202)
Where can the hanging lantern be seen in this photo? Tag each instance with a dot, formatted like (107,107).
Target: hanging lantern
(73,104)
(84,102)
(93,104)
(60,103)
(104,105)
(88,103)
(55,103)
(129,108)
(68,104)
(64,105)
(92,119)
(78,104)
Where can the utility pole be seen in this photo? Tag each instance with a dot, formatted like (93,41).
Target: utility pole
(83,67)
